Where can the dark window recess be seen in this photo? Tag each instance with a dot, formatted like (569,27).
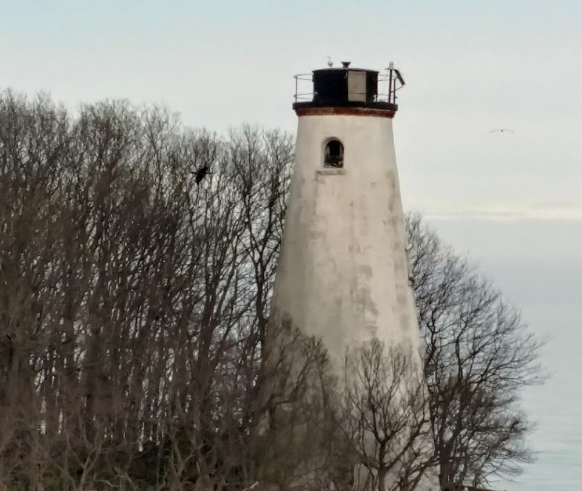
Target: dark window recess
(334,154)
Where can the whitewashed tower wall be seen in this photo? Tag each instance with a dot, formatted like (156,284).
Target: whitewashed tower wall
(343,271)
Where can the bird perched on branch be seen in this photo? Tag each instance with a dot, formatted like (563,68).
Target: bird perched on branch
(502,130)
(201,173)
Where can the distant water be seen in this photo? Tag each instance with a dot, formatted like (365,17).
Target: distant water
(556,406)
(538,265)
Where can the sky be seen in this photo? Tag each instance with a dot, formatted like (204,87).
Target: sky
(512,201)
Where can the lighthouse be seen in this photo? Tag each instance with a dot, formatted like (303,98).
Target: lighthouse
(343,274)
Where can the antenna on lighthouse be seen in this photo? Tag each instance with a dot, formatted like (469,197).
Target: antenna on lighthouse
(393,76)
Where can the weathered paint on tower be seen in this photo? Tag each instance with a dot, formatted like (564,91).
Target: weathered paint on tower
(343,273)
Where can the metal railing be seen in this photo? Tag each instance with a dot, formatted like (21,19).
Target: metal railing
(388,84)
(304,87)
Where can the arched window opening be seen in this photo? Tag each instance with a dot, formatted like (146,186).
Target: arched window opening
(334,154)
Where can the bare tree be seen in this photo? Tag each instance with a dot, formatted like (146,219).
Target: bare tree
(384,415)
(288,430)
(479,356)
(134,300)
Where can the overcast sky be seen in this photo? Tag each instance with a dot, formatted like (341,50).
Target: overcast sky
(512,200)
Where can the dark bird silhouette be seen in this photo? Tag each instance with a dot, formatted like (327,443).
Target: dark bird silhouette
(201,173)
(502,130)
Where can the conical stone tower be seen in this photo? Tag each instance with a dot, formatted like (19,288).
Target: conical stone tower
(343,274)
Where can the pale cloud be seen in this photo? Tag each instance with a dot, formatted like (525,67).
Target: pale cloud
(500,211)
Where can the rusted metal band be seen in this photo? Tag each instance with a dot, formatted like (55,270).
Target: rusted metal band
(344,111)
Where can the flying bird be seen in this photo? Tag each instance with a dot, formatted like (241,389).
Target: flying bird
(502,130)
(329,62)
(201,173)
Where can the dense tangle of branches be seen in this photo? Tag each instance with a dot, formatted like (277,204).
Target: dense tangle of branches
(134,307)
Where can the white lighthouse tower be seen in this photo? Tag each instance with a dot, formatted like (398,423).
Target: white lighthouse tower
(343,274)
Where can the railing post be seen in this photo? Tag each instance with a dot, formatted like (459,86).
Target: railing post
(390,86)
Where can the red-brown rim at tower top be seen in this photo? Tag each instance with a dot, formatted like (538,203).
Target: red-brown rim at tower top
(344,111)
